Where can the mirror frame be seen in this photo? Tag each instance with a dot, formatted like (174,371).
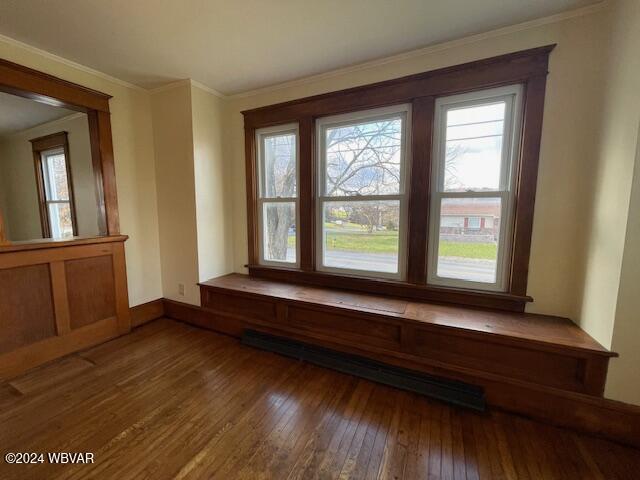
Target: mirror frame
(44,88)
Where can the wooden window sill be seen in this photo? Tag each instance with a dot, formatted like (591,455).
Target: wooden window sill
(43,243)
(544,330)
(473,298)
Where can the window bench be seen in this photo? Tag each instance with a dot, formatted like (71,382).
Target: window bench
(543,367)
(472,345)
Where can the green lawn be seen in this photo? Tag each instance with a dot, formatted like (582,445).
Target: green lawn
(487,251)
(387,242)
(378,242)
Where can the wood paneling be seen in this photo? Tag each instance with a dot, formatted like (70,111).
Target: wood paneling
(562,371)
(26,307)
(243,307)
(91,290)
(60,299)
(357,329)
(84,300)
(528,68)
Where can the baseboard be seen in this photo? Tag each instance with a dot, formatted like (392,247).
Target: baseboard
(141,314)
(588,414)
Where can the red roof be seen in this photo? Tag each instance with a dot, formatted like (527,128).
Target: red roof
(471,207)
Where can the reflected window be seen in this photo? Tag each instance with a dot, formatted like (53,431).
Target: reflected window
(55,189)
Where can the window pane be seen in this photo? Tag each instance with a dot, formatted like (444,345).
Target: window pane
(60,220)
(474,148)
(362,235)
(279,239)
(468,243)
(56,185)
(279,166)
(364,158)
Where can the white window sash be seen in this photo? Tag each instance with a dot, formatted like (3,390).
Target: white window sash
(260,135)
(364,116)
(512,95)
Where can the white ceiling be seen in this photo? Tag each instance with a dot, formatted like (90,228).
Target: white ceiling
(239,45)
(17,113)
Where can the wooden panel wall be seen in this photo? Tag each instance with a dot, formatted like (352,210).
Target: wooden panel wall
(395,328)
(85,277)
(26,306)
(57,299)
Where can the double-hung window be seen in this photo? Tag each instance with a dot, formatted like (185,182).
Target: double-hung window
(55,186)
(361,203)
(472,195)
(277,151)
(420,187)
(57,194)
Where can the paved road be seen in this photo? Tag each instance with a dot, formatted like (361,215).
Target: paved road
(477,270)
(452,267)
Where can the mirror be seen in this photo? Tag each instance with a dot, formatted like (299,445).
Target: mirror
(47,179)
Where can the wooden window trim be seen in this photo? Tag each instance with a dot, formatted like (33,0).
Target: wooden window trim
(40,145)
(44,88)
(527,67)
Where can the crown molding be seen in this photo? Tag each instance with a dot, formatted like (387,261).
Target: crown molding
(210,90)
(332,73)
(588,10)
(69,63)
(31,130)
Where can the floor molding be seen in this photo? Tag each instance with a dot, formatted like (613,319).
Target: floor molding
(141,314)
(584,413)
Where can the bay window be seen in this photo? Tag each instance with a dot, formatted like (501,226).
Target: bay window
(420,187)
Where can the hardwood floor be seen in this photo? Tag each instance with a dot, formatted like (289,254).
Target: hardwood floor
(173,401)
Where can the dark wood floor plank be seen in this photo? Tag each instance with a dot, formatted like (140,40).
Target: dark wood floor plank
(170,401)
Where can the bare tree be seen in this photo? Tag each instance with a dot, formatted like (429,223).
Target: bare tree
(454,151)
(362,159)
(280,181)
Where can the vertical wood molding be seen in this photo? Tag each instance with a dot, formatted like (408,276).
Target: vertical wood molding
(120,281)
(527,182)
(252,194)
(108,172)
(3,232)
(60,297)
(96,161)
(306,195)
(422,115)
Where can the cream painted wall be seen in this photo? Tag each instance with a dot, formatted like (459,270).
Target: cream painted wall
(173,143)
(134,157)
(613,273)
(193,194)
(567,160)
(213,195)
(616,150)
(16,166)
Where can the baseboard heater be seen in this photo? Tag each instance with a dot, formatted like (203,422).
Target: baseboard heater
(457,393)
